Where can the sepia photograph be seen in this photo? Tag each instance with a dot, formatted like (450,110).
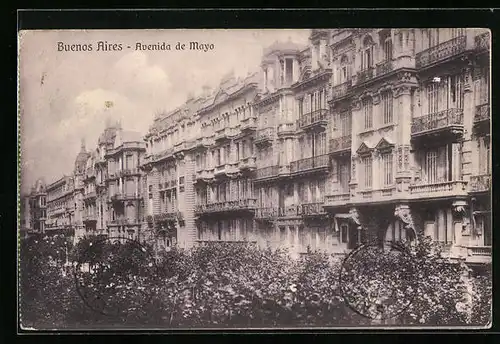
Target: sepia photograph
(254,179)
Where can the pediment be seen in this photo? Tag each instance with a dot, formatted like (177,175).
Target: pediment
(364,148)
(306,73)
(384,144)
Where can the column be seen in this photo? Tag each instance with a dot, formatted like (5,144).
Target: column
(456,161)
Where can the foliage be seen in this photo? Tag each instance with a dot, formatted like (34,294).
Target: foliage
(236,285)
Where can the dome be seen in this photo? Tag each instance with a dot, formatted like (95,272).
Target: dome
(81,158)
(283,47)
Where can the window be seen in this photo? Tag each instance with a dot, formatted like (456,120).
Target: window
(433,37)
(367,54)
(432,97)
(368,113)
(435,165)
(387,168)
(456,92)
(484,155)
(366,172)
(387,107)
(482,86)
(300,104)
(128,161)
(343,175)
(455,33)
(344,233)
(320,145)
(289,70)
(388,49)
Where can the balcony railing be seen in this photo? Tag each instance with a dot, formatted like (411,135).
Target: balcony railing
(224,206)
(384,67)
(266,213)
(248,163)
(264,135)
(221,169)
(482,113)
(478,254)
(440,52)
(480,183)
(341,90)
(438,121)
(449,188)
(90,195)
(222,133)
(267,172)
(340,144)
(249,123)
(482,41)
(204,174)
(89,218)
(165,154)
(124,196)
(317,117)
(128,172)
(312,209)
(340,198)
(286,128)
(365,75)
(180,146)
(312,163)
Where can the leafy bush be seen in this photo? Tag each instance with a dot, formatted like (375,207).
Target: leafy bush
(234,285)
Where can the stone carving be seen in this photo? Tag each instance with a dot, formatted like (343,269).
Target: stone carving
(403,213)
(354,215)
(400,158)
(405,76)
(406,157)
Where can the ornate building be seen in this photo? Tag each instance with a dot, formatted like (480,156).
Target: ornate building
(378,133)
(61,206)
(33,210)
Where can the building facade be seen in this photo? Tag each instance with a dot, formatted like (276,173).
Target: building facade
(60,206)
(380,133)
(33,210)
(111,186)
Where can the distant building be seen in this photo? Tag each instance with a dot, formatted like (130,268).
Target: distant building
(33,210)
(61,206)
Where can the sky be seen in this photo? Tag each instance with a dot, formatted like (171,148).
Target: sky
(63,94)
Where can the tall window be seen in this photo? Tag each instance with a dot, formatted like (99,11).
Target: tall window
(345,70)
(457,33)
(432,37)
(435,165)
(432,98)
(343,175)
(387,107)
(368,113)
(344,123)
(484,155)
(387,168)
(367,54)
(366,172)
(289,71)
(387,49)
(320,144)
(456,93)
(482,86)
(300,104)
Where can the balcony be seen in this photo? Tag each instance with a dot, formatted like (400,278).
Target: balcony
(341,144)
(263,136)
(220,170)
(365,75)
(382,194)
(482,119)
(312,164)
(222,134)
(226,206)
(266,213)
(440,52)
(179,147)
(269,172)
(128,172)
(341,91)
(90,196)
(166,216)
(478,254)
(249,124)
(312,209)
(248,163)
(289,211)
(338,199)
(119,197)
(438,190)
(163,155)
(480,183)
(284,171)
(448,122)
(317,118)
(482,42)
(384,67)
(205,174)
(286,128)
(89,218)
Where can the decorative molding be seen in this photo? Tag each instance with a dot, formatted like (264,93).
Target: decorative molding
(375,98)
(403,212)
(354,216)
(364,149)
(384,145)
(356,105)
(402,90)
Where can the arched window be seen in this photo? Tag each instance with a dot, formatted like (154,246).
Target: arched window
(388,49)
(367,53)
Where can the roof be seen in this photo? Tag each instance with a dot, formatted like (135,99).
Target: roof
(283,47)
